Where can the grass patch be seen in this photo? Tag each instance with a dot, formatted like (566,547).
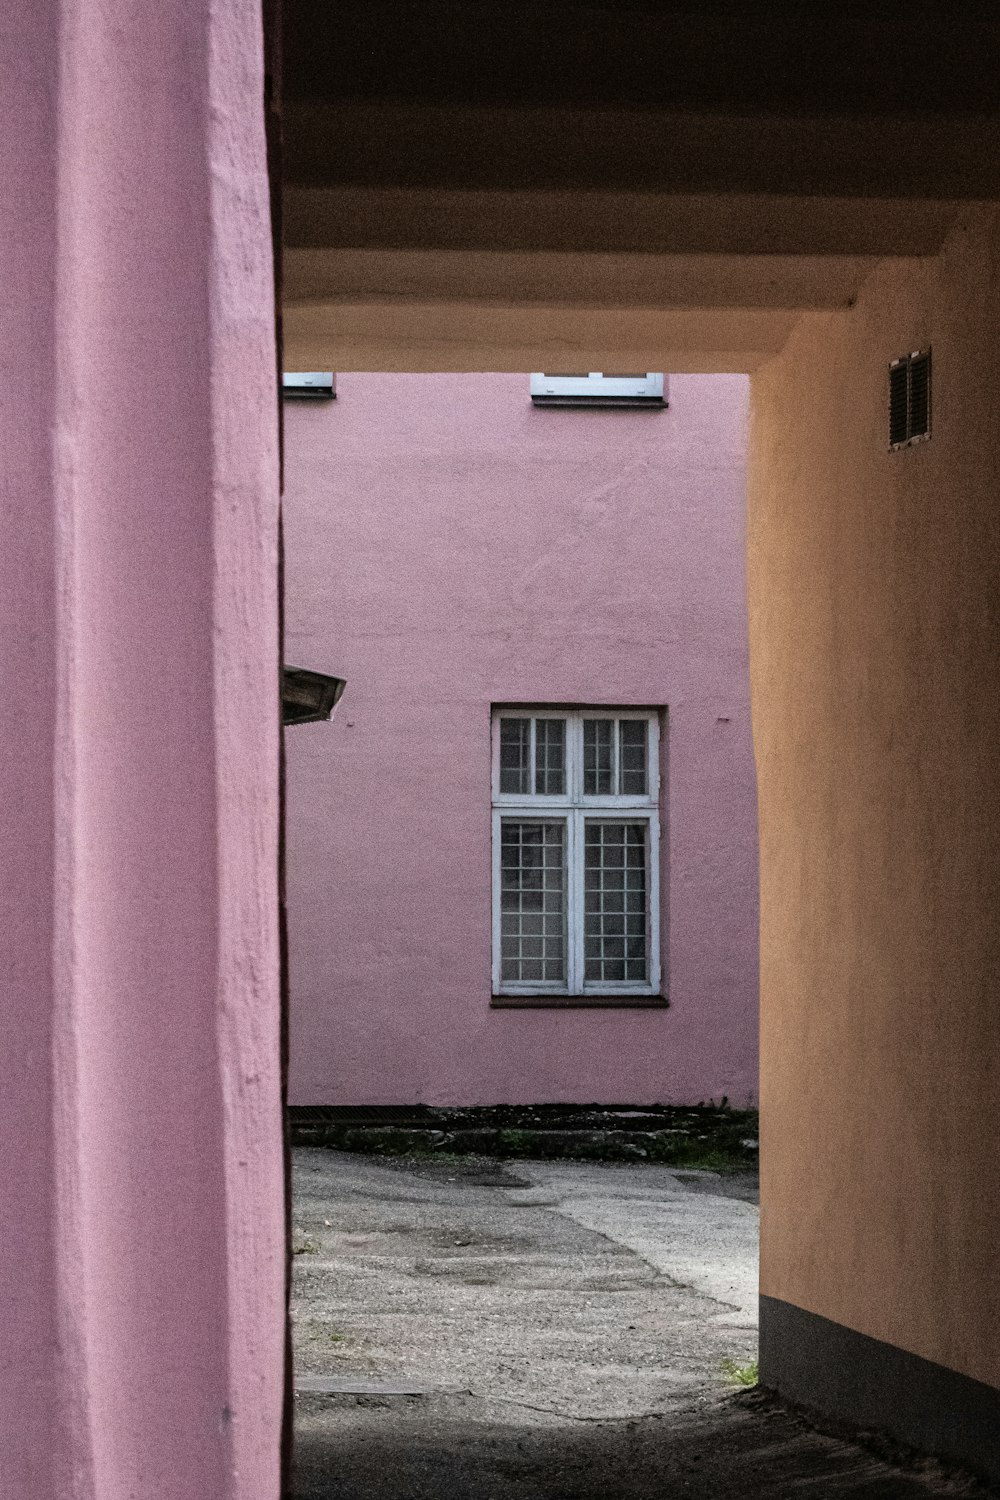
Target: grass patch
(741,1375)
(698,1155)
(516,1142)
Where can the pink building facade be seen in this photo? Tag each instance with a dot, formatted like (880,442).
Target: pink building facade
(142,1257)
(453,550)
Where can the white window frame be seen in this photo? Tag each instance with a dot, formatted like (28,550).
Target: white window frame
(575,809)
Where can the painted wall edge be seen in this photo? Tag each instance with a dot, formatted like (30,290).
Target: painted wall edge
(873,1386)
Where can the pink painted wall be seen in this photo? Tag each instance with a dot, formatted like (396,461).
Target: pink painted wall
(141,1257)
(448,547)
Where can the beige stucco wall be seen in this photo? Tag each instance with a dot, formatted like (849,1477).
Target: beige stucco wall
(874,656)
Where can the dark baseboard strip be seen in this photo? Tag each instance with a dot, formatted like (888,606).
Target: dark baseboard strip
(874,1387)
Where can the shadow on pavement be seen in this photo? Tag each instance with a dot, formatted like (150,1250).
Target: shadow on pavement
(457,1448)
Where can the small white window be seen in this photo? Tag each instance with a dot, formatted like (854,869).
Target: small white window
(576,837)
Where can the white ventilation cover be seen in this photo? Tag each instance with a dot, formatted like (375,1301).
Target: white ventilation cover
(310,384)
(597,389)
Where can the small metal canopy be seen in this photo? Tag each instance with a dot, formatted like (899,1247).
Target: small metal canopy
(308,697)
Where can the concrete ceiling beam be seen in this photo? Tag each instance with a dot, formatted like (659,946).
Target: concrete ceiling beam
(781,282)
(464,336)
(453,145)
(367,218)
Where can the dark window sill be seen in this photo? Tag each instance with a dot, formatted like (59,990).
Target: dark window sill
(579,1002)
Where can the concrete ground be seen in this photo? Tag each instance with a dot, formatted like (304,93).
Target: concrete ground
(469,1330)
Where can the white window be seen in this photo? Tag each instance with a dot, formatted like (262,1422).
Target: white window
(576,835)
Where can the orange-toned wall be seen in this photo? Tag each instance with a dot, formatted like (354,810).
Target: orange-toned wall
(875,659)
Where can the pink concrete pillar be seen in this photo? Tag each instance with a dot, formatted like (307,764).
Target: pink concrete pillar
(141,1254)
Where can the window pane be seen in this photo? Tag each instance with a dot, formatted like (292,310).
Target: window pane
(515,755)
(616,922)
(532,902)
(550,757)
(597,761)
(633,740)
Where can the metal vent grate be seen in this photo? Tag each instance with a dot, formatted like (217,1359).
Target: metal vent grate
(920,396)
(910,399)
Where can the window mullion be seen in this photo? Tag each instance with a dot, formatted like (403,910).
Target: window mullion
(653,895)
(574,906)
(495,756)
(496,883)
(532,751)
(574,755)
(574,936)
